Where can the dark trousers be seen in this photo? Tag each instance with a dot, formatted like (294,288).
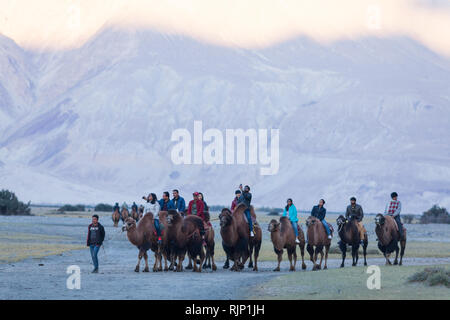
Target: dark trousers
(249,218)
(399,224)
(157,227)
(94,253)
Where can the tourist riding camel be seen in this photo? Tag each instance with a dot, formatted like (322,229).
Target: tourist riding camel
(153,206)
(165,203)
(320,212)
(246,198)
(178,202)
(355,211)
(205,205)
(291,212)
(196,207)
(235,200)
(393,209)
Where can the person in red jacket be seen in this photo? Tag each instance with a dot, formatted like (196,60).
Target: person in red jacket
(196,206)
(235,200)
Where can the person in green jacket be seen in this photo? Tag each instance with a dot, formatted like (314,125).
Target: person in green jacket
(292,211)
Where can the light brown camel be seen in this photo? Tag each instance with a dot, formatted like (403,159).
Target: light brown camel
(317,240)
(134,214)
(184,235)
(386,230)
(125,214)
(283,237)
(116,217)
(210,244)
(143,237)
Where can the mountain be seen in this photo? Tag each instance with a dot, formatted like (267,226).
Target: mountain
(356,118)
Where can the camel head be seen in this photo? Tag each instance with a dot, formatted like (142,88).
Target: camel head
(225,217)
(341,220)
(129,224)
(172,216)
(311,221)
(379,219)
(273,225)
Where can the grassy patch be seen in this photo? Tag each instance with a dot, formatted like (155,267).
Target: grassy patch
(13,252)
(349,283)
(432,276)
(413,249)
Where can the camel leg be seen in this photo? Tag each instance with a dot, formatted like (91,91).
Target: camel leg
(396,254)
(280,257)
(354,255)
(321,257)
(315,266)
(250,263)
(327,248)
(343,248)
(189,266)
(386,255)
(139,262)
(302,252)
(146,269)
(155,265)
(160,261)
(166,268)
(205,265)
(402,250)
(365,252)
(226,265)
(295,256)
(310,250)
(202,258)
(256,253)
(180,262)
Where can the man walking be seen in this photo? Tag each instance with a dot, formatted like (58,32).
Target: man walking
(95,237)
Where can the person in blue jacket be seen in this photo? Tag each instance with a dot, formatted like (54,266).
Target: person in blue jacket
(165,203)
(320,212)
(177,202)
(292,211)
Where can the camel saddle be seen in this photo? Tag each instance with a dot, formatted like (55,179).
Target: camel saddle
(254,222)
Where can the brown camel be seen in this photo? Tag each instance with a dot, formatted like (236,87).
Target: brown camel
(388,237)
(235,236)
(143,237)
(254,243)
(283,236)
(184,235)
(210,244)
(349,234)
(125,214)
(116,217)
(134,214)
(317,240)
(165,249)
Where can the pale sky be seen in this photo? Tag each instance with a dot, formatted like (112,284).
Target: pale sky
(59,24)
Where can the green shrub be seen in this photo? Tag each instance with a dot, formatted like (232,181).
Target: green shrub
(10,204)
(71,208)
(103,207)
(435,215)
(432,276)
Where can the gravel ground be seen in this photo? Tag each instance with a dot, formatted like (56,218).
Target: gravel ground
(45,278)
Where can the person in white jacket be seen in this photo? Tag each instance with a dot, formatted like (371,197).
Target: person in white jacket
(152,205)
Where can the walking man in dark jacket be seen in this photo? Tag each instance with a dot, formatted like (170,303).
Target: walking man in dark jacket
(355,211)
(95,237)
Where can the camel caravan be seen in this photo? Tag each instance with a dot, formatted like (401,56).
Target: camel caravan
(172,230)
